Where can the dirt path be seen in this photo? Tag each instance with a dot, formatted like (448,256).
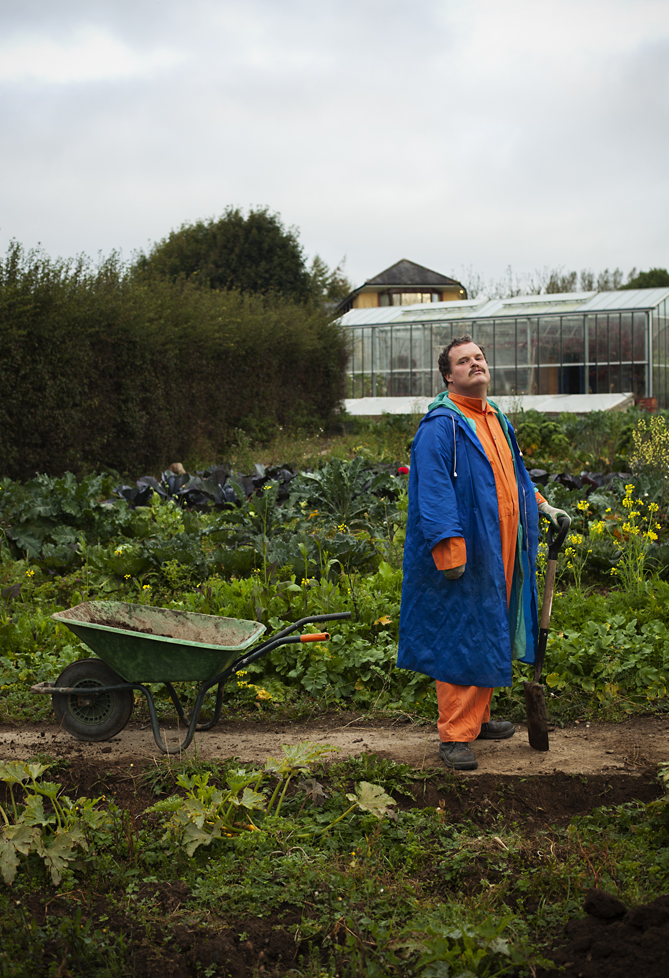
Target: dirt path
(631,748)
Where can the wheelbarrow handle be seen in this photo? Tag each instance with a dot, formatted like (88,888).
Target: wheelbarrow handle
(335,616)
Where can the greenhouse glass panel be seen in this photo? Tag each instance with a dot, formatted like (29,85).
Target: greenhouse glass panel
(523,380)
(661,355)
(592,339)
(382,348)
(549,341)
(401,363)
(572,373)
(422,346)
(599,380)
(602,351)
(638,379)
(505,343)
(614,338)
(523,342)
(573,349)
(503,381)
(639,344)
(626,345)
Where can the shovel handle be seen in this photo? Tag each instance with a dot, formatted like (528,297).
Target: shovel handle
(555,541)
(557,538)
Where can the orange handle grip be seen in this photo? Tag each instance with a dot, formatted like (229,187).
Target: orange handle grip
(315,637)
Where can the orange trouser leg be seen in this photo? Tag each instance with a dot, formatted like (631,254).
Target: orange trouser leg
(462,710)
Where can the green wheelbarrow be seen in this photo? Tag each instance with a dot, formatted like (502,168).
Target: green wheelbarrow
(138,644)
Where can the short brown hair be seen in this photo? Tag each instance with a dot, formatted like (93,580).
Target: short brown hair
(445,355)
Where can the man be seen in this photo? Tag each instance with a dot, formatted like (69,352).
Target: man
(469,597)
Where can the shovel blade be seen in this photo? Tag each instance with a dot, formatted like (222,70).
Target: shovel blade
(537,721)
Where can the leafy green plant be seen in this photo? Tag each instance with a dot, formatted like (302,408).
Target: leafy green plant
(208,813)
(59,837)
(472,950)
(346,491)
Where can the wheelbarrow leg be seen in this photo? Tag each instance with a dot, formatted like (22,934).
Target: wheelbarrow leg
(217,710)
(156,728)
(174,696)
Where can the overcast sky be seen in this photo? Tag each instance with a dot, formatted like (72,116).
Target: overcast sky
(457,133)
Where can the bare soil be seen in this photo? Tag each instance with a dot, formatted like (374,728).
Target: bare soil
(614,942)
(580,748)
(587,766)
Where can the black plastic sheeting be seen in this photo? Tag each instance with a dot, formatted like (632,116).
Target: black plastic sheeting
(586,480)
(213,487)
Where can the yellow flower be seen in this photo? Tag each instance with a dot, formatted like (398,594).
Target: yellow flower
(583,505)
(146,587)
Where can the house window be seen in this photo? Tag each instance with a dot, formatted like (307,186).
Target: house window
(406,298)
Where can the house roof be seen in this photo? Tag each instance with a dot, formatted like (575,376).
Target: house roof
(407,272)
(404,274)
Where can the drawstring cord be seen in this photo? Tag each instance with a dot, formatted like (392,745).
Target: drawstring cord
(455,451)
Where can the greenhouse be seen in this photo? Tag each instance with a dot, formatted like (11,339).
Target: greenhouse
(575,343)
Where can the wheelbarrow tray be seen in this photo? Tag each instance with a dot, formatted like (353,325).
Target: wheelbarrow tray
(156,645)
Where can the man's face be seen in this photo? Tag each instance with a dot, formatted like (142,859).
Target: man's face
(469,374)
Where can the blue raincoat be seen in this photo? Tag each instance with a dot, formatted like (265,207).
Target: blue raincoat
(461,631)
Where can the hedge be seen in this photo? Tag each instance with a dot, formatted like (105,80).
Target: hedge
(99,368)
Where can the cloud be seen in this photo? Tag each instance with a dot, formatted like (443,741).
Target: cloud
(451,132)
(88,54)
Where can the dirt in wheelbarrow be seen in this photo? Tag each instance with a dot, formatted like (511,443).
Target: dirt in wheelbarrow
(117,623)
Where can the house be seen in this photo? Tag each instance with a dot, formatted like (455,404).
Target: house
(404,284)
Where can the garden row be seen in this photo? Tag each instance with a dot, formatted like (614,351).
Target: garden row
(279,545)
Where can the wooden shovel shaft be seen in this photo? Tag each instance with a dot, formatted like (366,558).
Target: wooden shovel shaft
(535,701)
(547,605)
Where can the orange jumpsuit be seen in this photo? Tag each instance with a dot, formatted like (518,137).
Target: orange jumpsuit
(462,709)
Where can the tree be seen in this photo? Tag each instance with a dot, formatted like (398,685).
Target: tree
(250,254)
(656,278)
(328,286)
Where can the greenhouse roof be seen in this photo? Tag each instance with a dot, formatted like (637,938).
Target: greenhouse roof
(519,305)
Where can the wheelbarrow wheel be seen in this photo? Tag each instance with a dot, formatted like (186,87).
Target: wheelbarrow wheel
(90,717)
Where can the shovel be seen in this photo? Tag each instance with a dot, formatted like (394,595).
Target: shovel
(535,702)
